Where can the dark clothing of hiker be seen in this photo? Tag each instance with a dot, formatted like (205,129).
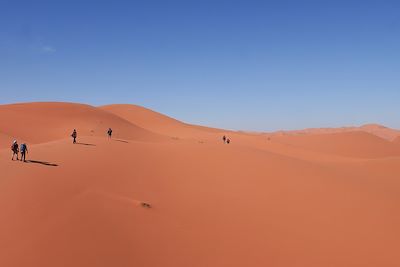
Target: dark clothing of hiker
(24,150)
(14,149)
(228,141)
(109,132)
(74,135)
(224,139)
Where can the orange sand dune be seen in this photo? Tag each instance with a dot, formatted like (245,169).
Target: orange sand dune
(312,200)
(381,131)
(5,140)
(349,144)
(397,140)
(41,122)
(160,123)
(375,129)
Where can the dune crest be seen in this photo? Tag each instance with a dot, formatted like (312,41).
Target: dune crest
(159,123)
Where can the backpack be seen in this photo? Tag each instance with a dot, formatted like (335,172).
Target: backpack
(23,148)
(14,147)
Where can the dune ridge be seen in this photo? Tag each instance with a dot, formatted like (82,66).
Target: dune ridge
(56,120)
(160,123)
(375,129)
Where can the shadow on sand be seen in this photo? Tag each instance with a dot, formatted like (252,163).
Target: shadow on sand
(42,163)
(84,144)
(119,140)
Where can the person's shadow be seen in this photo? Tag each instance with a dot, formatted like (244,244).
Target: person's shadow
(42,163)
(84,144)
(122,141)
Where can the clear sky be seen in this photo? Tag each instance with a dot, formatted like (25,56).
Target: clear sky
(251,65)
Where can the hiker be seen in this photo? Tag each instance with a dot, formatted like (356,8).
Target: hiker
(109,132)
(74,135)
(228,141)
(24,150)
(224,139)
(14,149)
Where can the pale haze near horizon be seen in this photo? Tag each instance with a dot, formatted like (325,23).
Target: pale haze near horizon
(245,65)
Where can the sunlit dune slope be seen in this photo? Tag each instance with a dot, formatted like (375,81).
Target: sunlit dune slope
(349,144)
(397,140)
(211,205)
(159,123)
(375,129)
(264,200)
(5,140)
(41,122)
(381,131)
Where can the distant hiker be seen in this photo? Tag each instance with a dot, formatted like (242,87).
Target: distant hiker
(109,132)
(74,135)
(224,139)
(228,141)
(14,149)
(24,150)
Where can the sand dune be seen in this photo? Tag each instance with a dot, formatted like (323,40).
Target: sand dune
(41,122)
(397,140)
(349,144)
(290,200)
(159,123)
(381,131)
(375,129)
(5,140)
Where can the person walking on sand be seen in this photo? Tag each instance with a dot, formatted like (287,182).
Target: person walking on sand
(109,132)
(224,139)
(24,150)
(228,141)
(74,135)
(14,149)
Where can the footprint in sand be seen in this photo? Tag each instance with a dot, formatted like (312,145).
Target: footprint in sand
(126,199)
(146,205)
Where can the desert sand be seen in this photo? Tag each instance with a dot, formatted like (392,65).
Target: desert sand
(375,129)
(325,198)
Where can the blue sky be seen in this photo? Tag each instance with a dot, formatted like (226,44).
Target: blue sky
(251,65)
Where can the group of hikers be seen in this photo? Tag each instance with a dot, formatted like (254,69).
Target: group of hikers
(23,148)
(226,140)
(15,148)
